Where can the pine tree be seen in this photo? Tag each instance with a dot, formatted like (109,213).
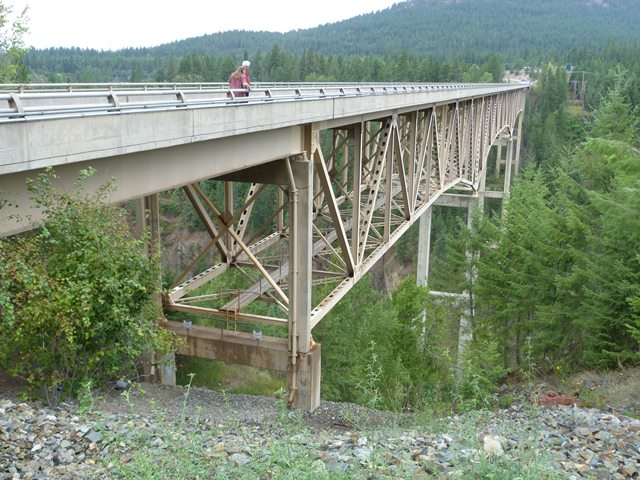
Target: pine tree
(615,118)
(613,271)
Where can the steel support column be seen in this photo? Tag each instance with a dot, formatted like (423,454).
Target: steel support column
(508,166)
(228,215)
(424,246)
(518,142)
(498,160)
(304,376)
(165,366)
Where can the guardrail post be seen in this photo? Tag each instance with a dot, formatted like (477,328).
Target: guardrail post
(16,103)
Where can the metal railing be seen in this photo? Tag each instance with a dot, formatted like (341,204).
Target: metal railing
(19,102)
(128,86)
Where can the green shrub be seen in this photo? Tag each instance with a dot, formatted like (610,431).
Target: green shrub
(78,295)
(480,375)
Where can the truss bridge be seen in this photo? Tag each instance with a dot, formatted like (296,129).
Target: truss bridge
(299,189)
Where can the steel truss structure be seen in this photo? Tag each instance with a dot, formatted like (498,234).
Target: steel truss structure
(333,211)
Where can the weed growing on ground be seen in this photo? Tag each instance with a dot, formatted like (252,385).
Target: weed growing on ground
(161,456)
(285,460)
(185,398)
(368,388)
(86,398)
(225,399)
(530,466)
(126,394)
(352,419)
(290,420)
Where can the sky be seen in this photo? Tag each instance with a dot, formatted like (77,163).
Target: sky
(114,24)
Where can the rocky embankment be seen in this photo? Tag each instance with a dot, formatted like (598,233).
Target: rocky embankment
(233,431)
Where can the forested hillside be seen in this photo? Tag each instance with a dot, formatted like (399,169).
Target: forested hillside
(467,31)
(516,29)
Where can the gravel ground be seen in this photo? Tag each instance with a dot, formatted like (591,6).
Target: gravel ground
(147,428)
(204,404)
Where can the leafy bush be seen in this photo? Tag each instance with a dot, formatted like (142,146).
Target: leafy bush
(78,296)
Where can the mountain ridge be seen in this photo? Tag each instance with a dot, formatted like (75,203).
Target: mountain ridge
(440,27)
(409,33)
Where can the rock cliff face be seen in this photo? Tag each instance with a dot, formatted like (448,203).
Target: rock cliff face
(387,274)
(180,247)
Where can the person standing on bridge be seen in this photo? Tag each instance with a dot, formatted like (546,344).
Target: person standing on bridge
(245,68)
(238,83)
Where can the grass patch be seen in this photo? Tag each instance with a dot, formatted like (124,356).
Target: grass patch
(207,373)
(615,389)
(252,380)
(219,376)
(167,454)
(530,465)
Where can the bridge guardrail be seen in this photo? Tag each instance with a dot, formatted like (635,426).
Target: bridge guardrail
(55,100)
(120,86)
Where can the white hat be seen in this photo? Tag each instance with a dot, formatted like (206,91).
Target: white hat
(246,63)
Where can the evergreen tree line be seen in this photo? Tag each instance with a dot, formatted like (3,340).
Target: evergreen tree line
(275,65)
(556,277)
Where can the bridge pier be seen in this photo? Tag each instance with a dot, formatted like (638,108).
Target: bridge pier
(304,373)
(304,386)
(499,160)
(424,247)
(518,137)
(508,167)
(155,368)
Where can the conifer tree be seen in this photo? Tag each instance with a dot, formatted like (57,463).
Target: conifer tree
(615,118)
(12,46)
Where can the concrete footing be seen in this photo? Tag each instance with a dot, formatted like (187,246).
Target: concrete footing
(166,369)
(232,347)
(307,389)
(243,348)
